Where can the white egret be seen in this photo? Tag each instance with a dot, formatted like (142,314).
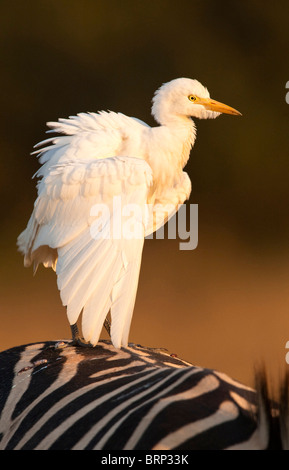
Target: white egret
(101,156)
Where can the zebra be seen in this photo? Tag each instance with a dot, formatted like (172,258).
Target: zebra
(55,396)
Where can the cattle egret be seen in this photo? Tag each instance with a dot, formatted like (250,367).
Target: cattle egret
(101,157)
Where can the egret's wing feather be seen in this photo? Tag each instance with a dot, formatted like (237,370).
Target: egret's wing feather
(124,294)
(86,136)
(74,217)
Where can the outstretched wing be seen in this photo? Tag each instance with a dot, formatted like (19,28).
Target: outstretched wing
(86,136)
(89,220)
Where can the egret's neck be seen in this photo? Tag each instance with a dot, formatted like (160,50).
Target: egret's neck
(184,130)
(170,147)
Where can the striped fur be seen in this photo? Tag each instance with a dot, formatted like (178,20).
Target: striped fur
(54,398)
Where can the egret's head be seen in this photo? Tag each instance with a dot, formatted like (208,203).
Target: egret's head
(184,97)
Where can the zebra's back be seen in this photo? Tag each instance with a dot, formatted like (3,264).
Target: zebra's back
(135,398)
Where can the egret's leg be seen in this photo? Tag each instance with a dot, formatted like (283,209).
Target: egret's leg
(107,325)
(76,338)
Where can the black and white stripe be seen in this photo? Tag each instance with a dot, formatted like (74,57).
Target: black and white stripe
(134,398)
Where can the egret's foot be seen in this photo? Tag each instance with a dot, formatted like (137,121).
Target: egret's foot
(74,342)
(76,338)
(80,342)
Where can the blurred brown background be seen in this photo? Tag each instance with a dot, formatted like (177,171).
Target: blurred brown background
(225,304)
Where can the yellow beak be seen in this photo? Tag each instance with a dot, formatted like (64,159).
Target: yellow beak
(213,105)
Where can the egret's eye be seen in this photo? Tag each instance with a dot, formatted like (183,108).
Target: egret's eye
(192,98)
